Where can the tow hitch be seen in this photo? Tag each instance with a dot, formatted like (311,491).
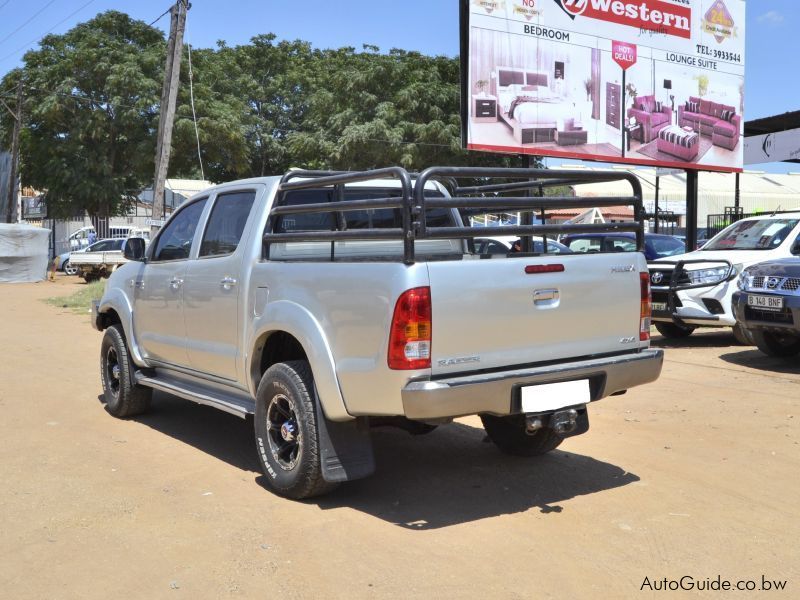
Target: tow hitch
(566,423)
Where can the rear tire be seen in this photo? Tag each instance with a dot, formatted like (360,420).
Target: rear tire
(673,330)
(287,435)
(742,335)
(775,344)
(123,396)
(508,434)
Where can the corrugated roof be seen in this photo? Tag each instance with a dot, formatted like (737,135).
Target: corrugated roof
(758,190)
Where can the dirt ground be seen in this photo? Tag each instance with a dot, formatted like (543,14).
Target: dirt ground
(695,475)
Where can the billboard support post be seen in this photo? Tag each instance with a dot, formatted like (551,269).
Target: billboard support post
(655,207)
(691,209)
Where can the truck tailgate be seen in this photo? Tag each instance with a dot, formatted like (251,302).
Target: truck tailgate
(491,313)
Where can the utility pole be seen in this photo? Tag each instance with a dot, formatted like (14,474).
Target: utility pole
(169,97)
(11,213)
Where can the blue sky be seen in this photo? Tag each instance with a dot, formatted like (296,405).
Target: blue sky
(430,26)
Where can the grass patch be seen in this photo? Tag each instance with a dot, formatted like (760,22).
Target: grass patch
(81,301)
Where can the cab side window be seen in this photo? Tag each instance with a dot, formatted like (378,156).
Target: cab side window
(175,241)
(226,223)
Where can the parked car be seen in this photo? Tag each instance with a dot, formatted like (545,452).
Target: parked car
(696,289)
(65,265)
(767,305)
(98,260)
(318,304)
(656,245)
(504,245)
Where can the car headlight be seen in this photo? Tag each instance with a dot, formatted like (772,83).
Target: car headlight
(715,275)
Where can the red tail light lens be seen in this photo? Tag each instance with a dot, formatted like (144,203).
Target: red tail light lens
(646,306)
(410,337)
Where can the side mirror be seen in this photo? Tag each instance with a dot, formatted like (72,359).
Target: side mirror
(796,248)
(134,249)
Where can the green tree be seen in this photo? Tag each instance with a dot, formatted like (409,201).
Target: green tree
(90,112)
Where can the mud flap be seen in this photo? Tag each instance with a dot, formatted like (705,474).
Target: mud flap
(345,447)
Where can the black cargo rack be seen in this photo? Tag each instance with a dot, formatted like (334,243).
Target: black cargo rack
(467,199)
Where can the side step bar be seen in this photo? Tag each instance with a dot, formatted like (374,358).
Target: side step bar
(231,402)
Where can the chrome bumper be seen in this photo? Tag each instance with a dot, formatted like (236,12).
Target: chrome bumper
(499,393)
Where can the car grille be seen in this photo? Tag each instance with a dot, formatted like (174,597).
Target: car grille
(784,316)
(663,277)
(772,284)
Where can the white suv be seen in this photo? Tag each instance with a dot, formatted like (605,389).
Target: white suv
(695,289)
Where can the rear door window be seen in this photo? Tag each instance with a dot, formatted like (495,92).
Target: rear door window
(226,223)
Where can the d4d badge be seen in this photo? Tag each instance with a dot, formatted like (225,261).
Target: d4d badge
(718,22)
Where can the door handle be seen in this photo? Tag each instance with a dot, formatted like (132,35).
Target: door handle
(228,282)
(175,283)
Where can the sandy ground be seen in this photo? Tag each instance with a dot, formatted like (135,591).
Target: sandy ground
(696,475)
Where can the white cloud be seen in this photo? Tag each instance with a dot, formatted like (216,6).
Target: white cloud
(772,17)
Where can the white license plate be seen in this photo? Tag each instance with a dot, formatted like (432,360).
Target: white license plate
(659,307)
(767,302)
(550,396)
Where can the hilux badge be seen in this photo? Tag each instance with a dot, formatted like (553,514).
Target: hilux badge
(623,269)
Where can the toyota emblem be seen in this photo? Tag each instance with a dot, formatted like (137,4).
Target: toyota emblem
(773,282)
(657,277)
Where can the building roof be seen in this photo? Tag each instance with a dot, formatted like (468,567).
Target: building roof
(759,191)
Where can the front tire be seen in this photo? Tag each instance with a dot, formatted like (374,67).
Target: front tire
(287,434)
(742,335)
(509,435)
(776,344)
(69,269)
(123,396)
(673,330)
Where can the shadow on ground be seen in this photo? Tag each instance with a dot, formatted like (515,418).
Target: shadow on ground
(755,359)
(447,477)
(711,338)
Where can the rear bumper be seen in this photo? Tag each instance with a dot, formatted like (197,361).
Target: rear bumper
(499,393)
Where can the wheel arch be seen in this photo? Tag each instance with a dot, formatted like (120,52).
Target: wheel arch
(115,308)
(292,333)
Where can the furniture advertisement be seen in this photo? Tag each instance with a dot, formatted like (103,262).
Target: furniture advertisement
(649,82)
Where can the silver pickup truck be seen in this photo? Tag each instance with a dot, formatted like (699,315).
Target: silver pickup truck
(325,304)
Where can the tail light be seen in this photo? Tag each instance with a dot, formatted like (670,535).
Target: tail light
(410,337)
(646,306)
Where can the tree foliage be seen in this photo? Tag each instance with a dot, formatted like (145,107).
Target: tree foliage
(92,112)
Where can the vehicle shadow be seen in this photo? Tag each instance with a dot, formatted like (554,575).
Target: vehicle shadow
(221,435)
(450,476)
(713,338)
(755,359)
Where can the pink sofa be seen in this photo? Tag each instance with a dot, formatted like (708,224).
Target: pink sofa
(651,120)
(719,121)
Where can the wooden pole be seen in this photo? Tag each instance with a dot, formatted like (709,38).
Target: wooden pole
(169,98)
(11,212)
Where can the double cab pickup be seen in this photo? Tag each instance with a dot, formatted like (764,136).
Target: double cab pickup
(326,303)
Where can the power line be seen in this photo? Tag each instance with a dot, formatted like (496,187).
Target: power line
(36,14)
(4,3)
(194,115)
(159,17)
(69,16)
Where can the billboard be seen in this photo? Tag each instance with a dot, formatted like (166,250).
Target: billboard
(652,82)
